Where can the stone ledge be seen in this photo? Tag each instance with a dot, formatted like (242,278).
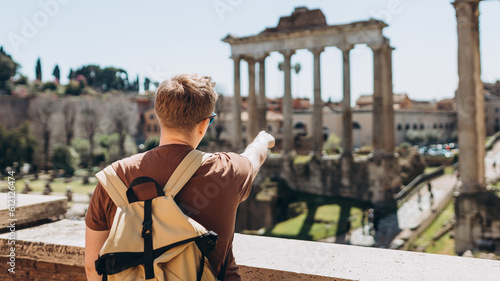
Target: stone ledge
(264,258)
(31,208)
(61,242)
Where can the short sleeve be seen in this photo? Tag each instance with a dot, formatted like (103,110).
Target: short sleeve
(232,270)
(243,172)
(96,218)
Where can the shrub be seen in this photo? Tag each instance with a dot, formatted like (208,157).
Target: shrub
(332,145)
(65,158)
(49,86)
(151,143)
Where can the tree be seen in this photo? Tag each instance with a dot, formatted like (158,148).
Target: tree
(296,67)
(123,119)
(57,73)
(136,84)
(105,79)
(65,157)
(16,145)
(147,81)
(151,142)
(71,75)
(42,111)
(38,70)
(74,88)
(8,68)
(68,109)
(90,112)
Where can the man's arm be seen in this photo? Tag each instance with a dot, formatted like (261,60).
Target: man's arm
(93,244)
(256,152)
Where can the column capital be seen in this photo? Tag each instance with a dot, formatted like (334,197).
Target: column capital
(249,58)
(316,50)
(345,47)
(236,58)
(467,11)
(261,57)
(380,47)
(287,53)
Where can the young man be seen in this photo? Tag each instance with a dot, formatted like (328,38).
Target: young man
(184,106)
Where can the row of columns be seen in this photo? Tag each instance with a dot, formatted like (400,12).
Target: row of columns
(383,114)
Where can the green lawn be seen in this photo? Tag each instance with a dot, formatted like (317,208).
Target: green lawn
(445,245)
(325,223)
(59,185)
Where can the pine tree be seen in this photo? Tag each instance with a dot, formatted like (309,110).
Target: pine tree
(146,84)
(71,74)
(38,70)
(57,73)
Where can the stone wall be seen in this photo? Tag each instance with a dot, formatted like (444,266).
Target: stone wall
(27,269)
(372,180)
(477,222)
(259,258)
(13,111)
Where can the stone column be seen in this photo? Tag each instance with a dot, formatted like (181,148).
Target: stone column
(287,103)
(261,101)
(378,118)
(346,102)
(387,101)
(471,124)
(470,99)
(346,162)
(317,118)
(253,129)
(236,136)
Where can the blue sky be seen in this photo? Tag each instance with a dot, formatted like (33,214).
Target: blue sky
(160,38)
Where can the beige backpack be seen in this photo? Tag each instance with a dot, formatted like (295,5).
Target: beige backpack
(154,239)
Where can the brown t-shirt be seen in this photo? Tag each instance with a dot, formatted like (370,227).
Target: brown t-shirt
(210,197)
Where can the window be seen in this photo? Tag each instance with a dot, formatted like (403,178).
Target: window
(435,126)
(269,128)
(400,127)
(152,116)
(356,125)
(149,128)
(422,126)
(496,110)
(440,125)
(415,126)
(299,125)
(407,126)
(243,128)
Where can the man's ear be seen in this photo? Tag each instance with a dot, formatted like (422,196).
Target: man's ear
(203,126)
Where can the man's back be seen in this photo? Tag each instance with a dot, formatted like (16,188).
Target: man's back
(211,197)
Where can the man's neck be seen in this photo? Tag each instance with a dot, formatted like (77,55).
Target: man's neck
(173,137)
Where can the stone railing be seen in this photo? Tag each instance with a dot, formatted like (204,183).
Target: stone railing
(55,251)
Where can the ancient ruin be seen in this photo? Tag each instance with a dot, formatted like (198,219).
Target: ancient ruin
(373,180)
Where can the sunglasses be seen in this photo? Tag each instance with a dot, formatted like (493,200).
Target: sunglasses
(212,117)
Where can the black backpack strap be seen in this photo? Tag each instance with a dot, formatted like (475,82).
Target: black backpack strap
(147,234)
(112,263)
(132,197)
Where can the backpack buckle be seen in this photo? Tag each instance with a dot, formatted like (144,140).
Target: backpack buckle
(146,229)
(207,242)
